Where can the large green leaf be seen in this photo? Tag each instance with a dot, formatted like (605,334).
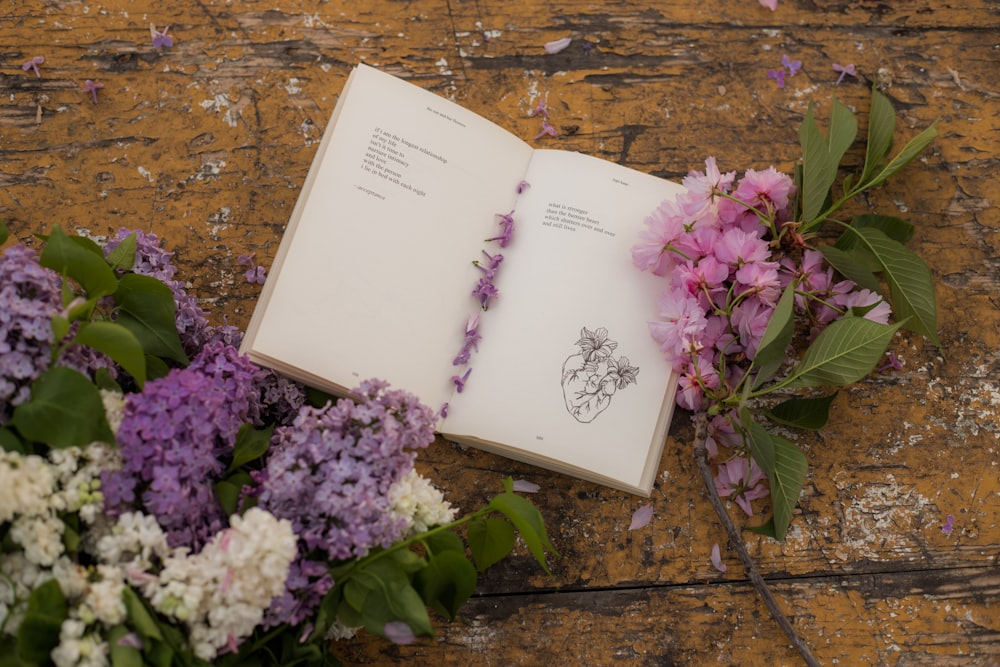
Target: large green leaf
(776,339)
(490,540)
(819,169)
(70,258)
(123,256)
(4,232)
(447,582)
(909,153)
(811,413)
(909,279)
(251,444)
(881,128)
(118,343)
(785,466)
(528,521)
(842,133)
(390,597)
(65,410)
(146,308)
(38,633)
(843,353)
(855,264)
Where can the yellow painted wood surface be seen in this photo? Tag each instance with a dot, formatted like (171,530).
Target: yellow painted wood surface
(207,143)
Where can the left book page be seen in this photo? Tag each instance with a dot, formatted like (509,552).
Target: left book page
(374,274)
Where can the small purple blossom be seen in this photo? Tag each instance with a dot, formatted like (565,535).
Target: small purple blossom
(547,129)
(33,63)
(399,633)
(949,525)
(506,222)
(894,363)
(459,381)
(161,39)
(92,87)
(541,109)
(485,291)
(256,275)
(845,70)
(523,187)
(641,517)
(792,65)
(558,45)
(778,75)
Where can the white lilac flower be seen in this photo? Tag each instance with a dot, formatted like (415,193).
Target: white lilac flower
(40,537)
(221,593)
(78,648)
(114,407)
(419,503)
(21,576)
(102,601)
(133,542)
(27,483)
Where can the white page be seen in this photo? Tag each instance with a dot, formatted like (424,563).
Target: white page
(376,269)
(559,277)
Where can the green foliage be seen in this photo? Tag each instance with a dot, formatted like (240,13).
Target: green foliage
(871,252)
(65,410)
(146,308)
(38,633)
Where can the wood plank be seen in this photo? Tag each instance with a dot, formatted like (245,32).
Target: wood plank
(206,144)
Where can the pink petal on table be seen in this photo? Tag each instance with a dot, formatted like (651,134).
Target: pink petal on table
(641,517)
(717,559)
(770,4)
(558,45)
(398,632)
(524,486)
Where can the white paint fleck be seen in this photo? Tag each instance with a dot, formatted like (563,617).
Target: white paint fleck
(145,173)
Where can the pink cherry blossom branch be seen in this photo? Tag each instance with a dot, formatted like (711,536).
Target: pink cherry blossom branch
(701,458)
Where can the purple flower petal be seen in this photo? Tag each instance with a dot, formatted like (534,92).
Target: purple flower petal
(717,559)
(131,640)
(641,517)
(949,525)
(558,45)
(524,486)
(399,633)
(770,4)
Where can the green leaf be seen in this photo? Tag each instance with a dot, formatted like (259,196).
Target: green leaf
(123,256)
(10,442)
(811,413)
(819,168)
(909,153)
(251,444)
(156,368)
(843,353)
(447,582)
(146,308)
(909,279)
(776,339)
(38,633)
(785,466)
(4,232)
(65,410)
(229,491)
(139,618)
(881,128)
(390,598)
(856,264)
(529,523)
(408,561)
(895,228)
(118,343)
(444,541)
(122,656)
(490,540)
(843,131)
(73,259)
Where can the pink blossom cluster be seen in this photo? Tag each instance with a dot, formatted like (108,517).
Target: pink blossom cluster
(727,248)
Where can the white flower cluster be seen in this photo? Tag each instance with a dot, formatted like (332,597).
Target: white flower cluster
(222,592)
(418,501)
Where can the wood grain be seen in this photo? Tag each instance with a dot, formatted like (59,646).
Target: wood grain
(207,143)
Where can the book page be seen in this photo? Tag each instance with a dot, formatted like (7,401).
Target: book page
(576,378)
(374,274)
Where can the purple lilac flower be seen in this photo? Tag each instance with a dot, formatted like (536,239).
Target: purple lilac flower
(29,297)
(92,87)
(308,581)
(460,380)
(845,70)
(161,39)
(506,222)
(778,75)
(175,438)
(344,457)
(151,260)
(792,65)
(33,63)
(547,129)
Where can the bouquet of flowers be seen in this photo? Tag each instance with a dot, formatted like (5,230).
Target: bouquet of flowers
(154,481)
(750,280)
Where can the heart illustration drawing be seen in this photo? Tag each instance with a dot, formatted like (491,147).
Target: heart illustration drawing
(593,375)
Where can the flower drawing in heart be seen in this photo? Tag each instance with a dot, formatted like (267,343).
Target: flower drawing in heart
(593,375)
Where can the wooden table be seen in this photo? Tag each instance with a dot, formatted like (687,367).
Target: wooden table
(208,142)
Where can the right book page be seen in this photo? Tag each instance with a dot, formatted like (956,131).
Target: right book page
(567,373)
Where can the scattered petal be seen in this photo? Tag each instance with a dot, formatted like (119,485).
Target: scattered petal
(778,75)
(717,559)
(399,633)
(770,4)
(792,65)
(949,525)
(524,486)
(845,70)
(130,640)
(546,129)
(641,517)
(557,45)
(894,363)
(33,63)
(161,39)
(523,186)
(92,88)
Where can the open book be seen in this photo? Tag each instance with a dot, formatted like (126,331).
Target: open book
(375,278)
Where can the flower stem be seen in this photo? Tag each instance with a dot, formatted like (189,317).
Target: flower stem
(701,457)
